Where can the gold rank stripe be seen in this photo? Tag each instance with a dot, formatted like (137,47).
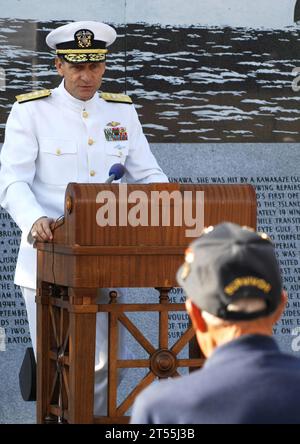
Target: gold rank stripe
(34,95)
(81,51)
(118,98)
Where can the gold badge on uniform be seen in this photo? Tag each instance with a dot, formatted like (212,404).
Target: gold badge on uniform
(84,38)
(113,124)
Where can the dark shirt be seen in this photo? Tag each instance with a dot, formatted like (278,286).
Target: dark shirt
(248,380)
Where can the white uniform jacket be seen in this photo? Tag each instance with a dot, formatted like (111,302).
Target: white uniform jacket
(59,139)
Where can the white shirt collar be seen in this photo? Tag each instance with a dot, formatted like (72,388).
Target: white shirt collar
(76,104)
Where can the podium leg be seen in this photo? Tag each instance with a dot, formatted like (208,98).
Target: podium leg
(82,361)
(43,345)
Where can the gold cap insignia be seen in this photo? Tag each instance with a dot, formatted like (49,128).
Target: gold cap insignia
(84,38)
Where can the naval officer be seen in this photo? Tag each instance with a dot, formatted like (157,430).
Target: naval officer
(72,133)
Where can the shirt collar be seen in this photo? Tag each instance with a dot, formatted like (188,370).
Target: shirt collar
(76,104)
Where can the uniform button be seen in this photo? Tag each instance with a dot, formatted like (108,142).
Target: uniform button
(85,114)
(58,151)
(91,141)
(92,173)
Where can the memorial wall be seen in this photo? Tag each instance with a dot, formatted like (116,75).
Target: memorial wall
(216,89)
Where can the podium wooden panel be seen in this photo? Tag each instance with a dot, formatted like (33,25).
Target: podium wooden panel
(84,257)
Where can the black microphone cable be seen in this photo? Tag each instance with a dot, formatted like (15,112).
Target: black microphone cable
(125,45)
(53,231)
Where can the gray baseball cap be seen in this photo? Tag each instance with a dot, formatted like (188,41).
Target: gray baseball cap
(228,263)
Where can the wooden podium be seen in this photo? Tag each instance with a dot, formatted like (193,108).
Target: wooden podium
(84,257)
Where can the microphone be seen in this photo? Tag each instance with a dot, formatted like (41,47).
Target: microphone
(116,172)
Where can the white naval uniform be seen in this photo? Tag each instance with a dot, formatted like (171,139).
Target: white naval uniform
(59,139)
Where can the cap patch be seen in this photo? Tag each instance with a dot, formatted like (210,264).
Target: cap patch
(248,281)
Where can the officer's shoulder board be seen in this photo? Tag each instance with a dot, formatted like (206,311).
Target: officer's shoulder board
(34,95)
(117,98)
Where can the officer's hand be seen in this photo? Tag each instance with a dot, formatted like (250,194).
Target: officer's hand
(40,230)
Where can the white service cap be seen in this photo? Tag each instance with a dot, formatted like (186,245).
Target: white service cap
(80,42)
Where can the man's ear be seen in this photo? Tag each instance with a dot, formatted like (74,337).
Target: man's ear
(59,66)
(281,307)
(196,316)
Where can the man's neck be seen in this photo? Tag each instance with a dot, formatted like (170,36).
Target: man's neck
(216,336)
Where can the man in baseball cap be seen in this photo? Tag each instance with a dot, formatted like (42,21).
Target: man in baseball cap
(228,264)
(233,285)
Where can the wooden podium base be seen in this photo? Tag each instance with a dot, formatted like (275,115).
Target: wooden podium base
(84,257)
(66,366)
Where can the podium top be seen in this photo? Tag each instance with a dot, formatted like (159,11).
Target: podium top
(158,215)
(143,243)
